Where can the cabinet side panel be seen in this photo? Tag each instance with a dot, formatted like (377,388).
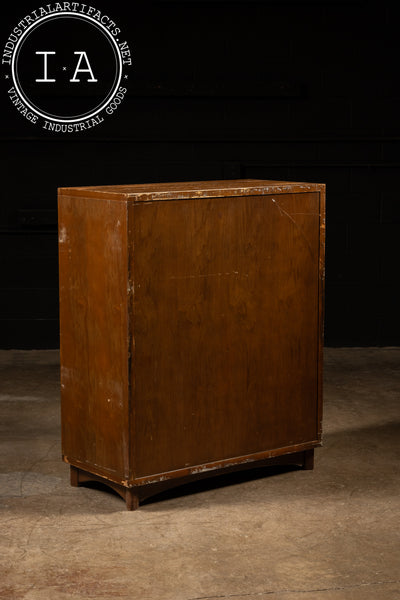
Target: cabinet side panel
(322,218)
(94,335)
(226,328)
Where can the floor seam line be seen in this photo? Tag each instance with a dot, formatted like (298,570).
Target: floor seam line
(331,589)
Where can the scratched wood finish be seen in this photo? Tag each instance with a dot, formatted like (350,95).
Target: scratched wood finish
(93,335)
(191,328)
(149,192)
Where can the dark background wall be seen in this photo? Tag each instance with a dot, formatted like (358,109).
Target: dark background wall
(304,91)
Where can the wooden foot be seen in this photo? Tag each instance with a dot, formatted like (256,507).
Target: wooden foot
(74,475)
(308,460)
(131,499)
(79,477)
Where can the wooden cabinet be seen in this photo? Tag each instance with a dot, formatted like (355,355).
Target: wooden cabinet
(191,329)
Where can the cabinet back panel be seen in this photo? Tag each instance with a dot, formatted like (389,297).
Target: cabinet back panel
(225,327)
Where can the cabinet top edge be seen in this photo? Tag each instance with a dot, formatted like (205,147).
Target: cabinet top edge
(151,192)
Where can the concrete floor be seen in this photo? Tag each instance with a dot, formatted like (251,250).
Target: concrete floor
(330,534)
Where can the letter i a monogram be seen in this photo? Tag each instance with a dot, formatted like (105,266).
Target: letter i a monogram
(82,55)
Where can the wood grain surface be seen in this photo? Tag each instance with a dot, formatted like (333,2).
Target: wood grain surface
(181,190)
(93,340)
(225,328)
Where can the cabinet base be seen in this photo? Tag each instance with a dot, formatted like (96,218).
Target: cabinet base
(136,494)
